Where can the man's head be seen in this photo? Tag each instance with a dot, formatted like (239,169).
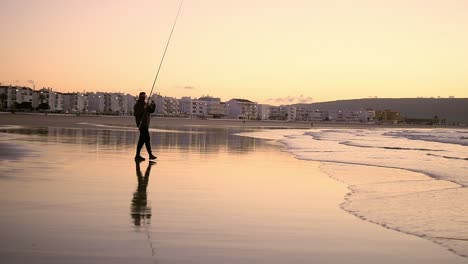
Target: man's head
(142,95)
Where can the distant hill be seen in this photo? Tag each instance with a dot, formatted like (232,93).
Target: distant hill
(452,109)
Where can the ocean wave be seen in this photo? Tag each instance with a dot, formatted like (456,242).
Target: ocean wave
(404,180)
(446,157)
(434,135)
(351,144)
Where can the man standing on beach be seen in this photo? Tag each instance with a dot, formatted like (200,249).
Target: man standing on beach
(142,112)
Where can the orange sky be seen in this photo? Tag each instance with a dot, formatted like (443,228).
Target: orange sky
(266,51)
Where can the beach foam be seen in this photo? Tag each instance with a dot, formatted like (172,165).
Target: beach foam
(410,180)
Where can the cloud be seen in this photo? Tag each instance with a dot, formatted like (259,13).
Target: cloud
(291,100)
(189,88)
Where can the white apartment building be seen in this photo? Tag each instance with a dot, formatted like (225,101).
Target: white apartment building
(47,96)
(291,112)
(75,102)
(131,100)
(115,103)
(15,94)
(309,114)
(215,108)
(166,106)
(366,116)
(264,111)
(95,102)
(241,109)
(159,102)
(193,108)
(171,106)
(108,103)
(57,102)
(283,112)
(347,116)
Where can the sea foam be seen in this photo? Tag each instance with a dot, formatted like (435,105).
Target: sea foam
(409,180)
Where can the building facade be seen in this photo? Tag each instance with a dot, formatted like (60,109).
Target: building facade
(166,106)
(75,103)
(215,108)
(131,100)
(263,111)
(16,96)
(283,112)
(193,108)
(47,99)
(95,103)
(241,109)
(388,116)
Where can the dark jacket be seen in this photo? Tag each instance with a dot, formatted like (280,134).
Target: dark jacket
(142,112)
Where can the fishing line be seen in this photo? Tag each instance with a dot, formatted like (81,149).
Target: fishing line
(162,60)
(165,50)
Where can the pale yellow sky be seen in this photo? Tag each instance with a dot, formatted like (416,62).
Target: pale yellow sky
(265,51)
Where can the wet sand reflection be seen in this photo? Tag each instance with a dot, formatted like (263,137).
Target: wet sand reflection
(140,209)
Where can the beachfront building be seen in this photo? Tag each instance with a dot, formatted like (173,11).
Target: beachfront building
(351,116)
(115,103)
(75,102)
(388,116)
(366,116)
(171,106)
(131,100)
(283,112)
(47,99)
(193,108)
(263,111)
(57,102)
(95,102)
(166,106)
(109,103)
(309,114)
(159,103)
(241,109)
(342,116)
(16,97)
(215,108)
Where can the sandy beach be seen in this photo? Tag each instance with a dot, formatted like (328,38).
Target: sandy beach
(70,192)
(37,120)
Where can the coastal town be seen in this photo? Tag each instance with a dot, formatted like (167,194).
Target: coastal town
(47,100)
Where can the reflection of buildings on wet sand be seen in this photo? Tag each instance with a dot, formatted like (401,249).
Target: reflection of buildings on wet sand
(201,139)
(140,210)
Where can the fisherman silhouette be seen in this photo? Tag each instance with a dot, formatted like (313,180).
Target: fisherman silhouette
(140,211)
(142,112)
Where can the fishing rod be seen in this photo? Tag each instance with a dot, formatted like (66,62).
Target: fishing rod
(165,50)
(162,59)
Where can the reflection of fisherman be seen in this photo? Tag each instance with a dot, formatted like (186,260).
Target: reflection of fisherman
(142,113)
(140,209)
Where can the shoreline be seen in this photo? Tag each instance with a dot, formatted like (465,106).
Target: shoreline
(33,119)
(393,186)
(360,190)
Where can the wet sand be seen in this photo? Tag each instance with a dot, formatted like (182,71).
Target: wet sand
(36,119)
(76,196)
(129,121)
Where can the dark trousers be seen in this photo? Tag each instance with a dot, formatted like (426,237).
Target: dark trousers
(144,140)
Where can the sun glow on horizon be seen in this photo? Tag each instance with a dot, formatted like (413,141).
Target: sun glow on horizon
(260,50)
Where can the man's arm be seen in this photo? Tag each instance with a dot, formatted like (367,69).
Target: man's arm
(151,108)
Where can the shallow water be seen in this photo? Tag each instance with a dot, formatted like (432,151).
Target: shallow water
(410,180)
(74,195)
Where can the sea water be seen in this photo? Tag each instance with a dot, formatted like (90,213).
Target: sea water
(410,180)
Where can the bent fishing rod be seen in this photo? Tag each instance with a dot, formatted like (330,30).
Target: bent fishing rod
(163,56)
(165,50)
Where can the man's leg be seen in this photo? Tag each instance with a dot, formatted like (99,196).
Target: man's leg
(141,142)
(148,145)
